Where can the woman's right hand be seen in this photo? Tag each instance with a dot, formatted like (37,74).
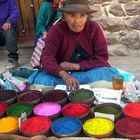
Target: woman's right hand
(72,83)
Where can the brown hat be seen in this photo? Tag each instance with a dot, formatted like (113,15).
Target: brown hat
(76,6)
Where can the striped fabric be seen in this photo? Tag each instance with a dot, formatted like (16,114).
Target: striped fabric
(36,56)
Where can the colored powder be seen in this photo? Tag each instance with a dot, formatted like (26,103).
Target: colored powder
(128,126)
(66,126)
(132,110)
(81,95)
(3,107)
(98,126)
(19,108)
(75,109)
(6,95)
(8,124)
(108,110)
(30,96)
(47,109)
(55,96)
(36,125)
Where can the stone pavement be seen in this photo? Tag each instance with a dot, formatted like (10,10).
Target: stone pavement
(127,63)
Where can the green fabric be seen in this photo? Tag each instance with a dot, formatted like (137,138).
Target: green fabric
(43,17)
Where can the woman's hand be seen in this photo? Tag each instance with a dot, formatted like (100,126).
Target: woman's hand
(71,82)
(70,66)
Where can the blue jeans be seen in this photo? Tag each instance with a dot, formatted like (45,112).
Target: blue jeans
(9,38)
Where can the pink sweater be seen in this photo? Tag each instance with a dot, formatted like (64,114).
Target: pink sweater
(61,43)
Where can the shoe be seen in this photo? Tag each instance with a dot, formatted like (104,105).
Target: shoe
(12,64)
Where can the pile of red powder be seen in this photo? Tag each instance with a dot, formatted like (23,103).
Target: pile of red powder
(132,110)
(75,109)
(3,107)
(36,125)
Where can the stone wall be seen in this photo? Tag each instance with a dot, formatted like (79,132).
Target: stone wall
(120,20)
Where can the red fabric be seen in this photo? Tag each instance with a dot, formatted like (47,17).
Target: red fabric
(61,42)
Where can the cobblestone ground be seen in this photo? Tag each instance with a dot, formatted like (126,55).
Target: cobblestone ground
(127,63)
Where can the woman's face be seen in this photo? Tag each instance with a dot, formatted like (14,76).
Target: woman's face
(76,21)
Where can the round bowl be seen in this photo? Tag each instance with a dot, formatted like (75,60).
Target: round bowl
(18,108)
(132,110)
(9,124)
(109,108)
(36,126)
(8,96)
(82,96)
(30,96)
(3,108)
(98,127)
(59,96)
(78,110)
(66,127)
(48,109)
(128,128)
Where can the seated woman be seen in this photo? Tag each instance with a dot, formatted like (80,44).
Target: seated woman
(75,50)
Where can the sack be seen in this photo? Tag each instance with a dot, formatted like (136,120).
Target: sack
(36,56)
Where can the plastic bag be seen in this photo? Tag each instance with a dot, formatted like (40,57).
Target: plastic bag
(36,56)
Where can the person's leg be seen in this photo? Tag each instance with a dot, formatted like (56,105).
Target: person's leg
(11,43)
(41,77)
(11,46)
(2,38)
(96,74)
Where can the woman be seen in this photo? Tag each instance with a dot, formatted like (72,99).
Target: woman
(76,50)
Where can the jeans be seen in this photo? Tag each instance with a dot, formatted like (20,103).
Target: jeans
(9,38)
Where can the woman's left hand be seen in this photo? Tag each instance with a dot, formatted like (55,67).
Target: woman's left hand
(67,66)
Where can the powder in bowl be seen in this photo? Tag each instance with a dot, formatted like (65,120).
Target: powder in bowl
(8,124)
(128,128)
(35,126)
(8,96)
(59,96)
(98,127)
(18,108)
(79,110)
(3,108)
(132,110)
(83,96)
(30,96)
(66,127)
(48,109)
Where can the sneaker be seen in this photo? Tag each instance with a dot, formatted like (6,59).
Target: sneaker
(12,64)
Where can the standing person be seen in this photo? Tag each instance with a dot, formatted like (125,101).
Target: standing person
(8,20)
(76,50)
(47,15)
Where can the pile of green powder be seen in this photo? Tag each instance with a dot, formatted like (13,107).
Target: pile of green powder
(81,95)
(18,109)
(108,110)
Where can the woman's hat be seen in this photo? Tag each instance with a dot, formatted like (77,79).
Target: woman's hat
(73,6)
